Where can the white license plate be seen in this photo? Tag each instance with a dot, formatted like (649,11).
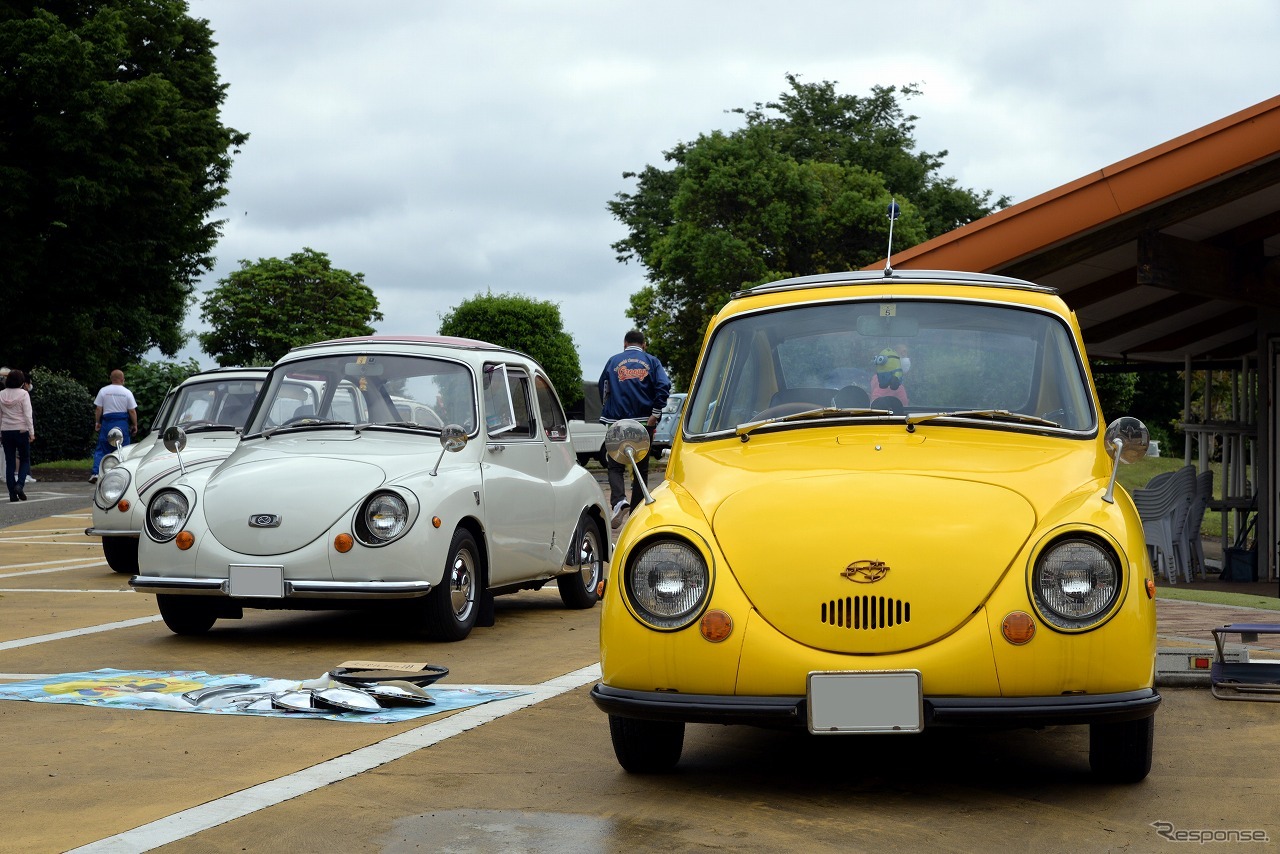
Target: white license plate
(871,701)
(257,580)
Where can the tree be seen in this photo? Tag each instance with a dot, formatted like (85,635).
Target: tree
(112,158)
(804,187)
(521,323)
(262,310)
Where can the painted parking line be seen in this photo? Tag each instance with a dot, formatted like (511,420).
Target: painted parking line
(189,822)
(80,565)
(74,633)
(131,592)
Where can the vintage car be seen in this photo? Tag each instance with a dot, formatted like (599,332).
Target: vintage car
(948,550)
(419,475)
(668,423)
(211,407)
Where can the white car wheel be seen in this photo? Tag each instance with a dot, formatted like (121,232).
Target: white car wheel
(578,590)
(450,610)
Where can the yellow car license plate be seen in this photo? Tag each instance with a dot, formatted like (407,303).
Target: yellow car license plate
(869,701)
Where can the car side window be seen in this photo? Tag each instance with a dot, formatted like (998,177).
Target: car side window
(522,405)
(554,423)
(510,409)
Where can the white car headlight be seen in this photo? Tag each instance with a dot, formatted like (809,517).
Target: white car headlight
(166,514)
(108,462)
(1075,583)
(384,517)
(667,582)
(111,486)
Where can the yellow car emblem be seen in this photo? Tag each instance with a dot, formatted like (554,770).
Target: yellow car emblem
(866,571)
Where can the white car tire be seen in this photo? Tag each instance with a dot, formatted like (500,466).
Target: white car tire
(579,590)
(449,612)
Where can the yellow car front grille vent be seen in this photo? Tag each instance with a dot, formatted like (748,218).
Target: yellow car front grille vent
(866,612)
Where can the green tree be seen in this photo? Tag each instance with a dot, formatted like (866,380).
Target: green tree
(263,309)
(521,323)
(804,187)
(112,158)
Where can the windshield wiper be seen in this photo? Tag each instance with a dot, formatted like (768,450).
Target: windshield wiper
(411,425)
(994,414)
(308,424)
(204,428)
(808,414)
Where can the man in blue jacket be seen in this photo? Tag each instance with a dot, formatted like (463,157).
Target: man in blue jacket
(632,385)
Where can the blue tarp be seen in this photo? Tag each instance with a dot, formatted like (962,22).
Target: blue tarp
(163,689)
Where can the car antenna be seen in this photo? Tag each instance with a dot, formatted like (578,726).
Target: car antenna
(894,211)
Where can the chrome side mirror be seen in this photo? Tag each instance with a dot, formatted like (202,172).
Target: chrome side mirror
(453,438)
(628,440)
(115,438)
(1127,441)
(175,439)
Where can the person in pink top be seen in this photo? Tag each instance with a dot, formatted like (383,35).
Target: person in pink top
(17,432)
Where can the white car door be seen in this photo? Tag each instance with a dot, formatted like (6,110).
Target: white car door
(519,501)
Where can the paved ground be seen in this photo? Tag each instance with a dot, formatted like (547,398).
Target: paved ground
(537,773)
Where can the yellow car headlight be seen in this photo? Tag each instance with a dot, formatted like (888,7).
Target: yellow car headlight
(1075,583)
(667,583)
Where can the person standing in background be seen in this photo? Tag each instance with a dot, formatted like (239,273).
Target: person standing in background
(17,432)
(633,384)
(113,407)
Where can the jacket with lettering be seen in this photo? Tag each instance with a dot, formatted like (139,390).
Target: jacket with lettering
(633,384)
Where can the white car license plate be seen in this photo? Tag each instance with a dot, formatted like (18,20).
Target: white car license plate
(870,701)
(257,580)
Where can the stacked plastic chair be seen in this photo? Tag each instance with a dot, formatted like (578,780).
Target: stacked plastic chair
(1194,547)
(1164,506)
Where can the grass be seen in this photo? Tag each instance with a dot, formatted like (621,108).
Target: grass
(67,465)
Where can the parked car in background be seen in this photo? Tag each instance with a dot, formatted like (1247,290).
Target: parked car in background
(949,550)
(668,424)
(344,493)
(585,430)
(211,406)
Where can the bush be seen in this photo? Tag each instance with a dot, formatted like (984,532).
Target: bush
(63,412)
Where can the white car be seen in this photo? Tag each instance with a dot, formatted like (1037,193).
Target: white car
(211,407)
(420,475)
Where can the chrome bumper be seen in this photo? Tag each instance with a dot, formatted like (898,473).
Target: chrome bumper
(292,589)
(112,532)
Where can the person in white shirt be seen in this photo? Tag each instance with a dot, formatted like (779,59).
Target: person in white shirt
(113,407)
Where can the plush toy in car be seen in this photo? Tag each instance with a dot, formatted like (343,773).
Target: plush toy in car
(888,365)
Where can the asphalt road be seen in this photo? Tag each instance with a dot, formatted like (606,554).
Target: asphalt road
(534,773)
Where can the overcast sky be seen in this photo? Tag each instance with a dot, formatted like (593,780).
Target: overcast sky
(446,149)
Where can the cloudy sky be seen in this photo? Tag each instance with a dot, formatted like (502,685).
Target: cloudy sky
(446,149)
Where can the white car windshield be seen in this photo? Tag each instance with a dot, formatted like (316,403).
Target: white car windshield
(210,405)
(368,390)
(910,358)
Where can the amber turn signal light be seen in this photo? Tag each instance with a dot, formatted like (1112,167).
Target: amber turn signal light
(1018,627)
(1151,588)
(716,626)
(344,542)
(185,540)
(124,505)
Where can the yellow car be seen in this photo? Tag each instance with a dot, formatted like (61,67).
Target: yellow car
(889,506)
